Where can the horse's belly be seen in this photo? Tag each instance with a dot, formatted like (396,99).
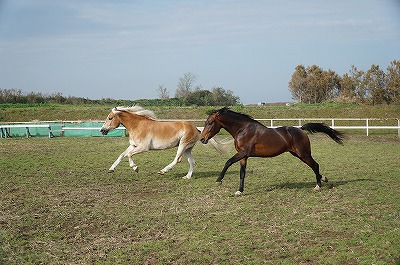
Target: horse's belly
(163,144)
(268,148)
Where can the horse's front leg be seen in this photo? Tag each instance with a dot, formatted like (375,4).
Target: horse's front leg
(243,163)
(119,159)
(229,163)
(136,150)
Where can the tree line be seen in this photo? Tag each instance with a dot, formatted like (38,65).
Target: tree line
(194,94)
(312,84)
(16,96)
(187,94)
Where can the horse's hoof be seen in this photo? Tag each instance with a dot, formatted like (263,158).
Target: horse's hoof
(317,188)
(238,193)
(324,179)
(161,172)
(218,183)
(110,171)
(136,169)
(186,177)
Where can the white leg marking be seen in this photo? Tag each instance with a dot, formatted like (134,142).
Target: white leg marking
(324,179)
(317,188)
(132,164)
(192,162)
(238,193)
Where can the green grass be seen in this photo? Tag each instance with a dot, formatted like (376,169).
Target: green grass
(58,205)
(24,113)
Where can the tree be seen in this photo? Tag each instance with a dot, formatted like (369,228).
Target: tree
(313,84)
(217,97)
(350,85)
(392,79)
(298,83)
(201,98)
(375,85)
(185,85)
(162,92)
(224,97)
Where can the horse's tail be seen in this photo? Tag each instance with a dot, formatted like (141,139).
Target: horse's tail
(321,127)
(223,148)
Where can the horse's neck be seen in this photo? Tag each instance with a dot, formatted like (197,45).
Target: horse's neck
(232,126)
(132,121)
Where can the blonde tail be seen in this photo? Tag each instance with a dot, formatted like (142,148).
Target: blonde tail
(223,148)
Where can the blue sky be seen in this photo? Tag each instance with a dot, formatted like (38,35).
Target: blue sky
(126,49)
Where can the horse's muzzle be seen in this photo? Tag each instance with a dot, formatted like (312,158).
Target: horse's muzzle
(104,131)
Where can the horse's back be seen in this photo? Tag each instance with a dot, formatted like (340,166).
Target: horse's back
(267,142)
(275,141)
(178,129)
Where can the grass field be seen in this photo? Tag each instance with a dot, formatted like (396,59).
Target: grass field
(25,113)
(58,205)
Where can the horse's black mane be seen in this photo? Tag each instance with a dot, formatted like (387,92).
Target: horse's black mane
(236,115)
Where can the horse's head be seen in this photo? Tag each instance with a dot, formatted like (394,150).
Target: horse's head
(211,127)
(112,121)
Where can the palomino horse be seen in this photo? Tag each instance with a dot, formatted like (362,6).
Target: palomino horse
(146,133)
(252,139)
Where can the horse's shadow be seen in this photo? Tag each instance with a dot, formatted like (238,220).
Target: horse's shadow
(202,174)
(308,185)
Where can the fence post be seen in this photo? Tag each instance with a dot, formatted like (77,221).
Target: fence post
(366,124)
(398,125)
(62,128)
(333,123)
(272,123)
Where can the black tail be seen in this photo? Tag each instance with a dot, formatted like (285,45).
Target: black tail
(321,127)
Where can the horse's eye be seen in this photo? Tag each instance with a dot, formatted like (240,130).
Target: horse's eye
(110,118)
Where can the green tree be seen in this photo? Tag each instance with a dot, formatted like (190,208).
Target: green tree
(224,97)
(201,98)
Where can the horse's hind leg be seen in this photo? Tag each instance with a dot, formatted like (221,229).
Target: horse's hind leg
(192,162)
(178,156)
(307,158)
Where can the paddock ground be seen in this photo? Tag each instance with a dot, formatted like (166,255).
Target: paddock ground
(58,205)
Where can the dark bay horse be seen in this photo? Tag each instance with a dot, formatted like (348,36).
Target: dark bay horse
(253,139)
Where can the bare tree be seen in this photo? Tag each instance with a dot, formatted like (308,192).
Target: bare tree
(162,92)
(186,85)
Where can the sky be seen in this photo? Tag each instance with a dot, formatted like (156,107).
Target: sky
(126,49)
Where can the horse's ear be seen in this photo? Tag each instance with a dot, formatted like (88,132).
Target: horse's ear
(115,110)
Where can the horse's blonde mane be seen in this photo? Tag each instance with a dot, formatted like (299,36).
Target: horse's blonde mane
(136,110)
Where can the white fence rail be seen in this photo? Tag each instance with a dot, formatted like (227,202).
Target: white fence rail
(363,124)
(366,124)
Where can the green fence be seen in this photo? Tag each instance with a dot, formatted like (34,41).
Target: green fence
(56,129)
